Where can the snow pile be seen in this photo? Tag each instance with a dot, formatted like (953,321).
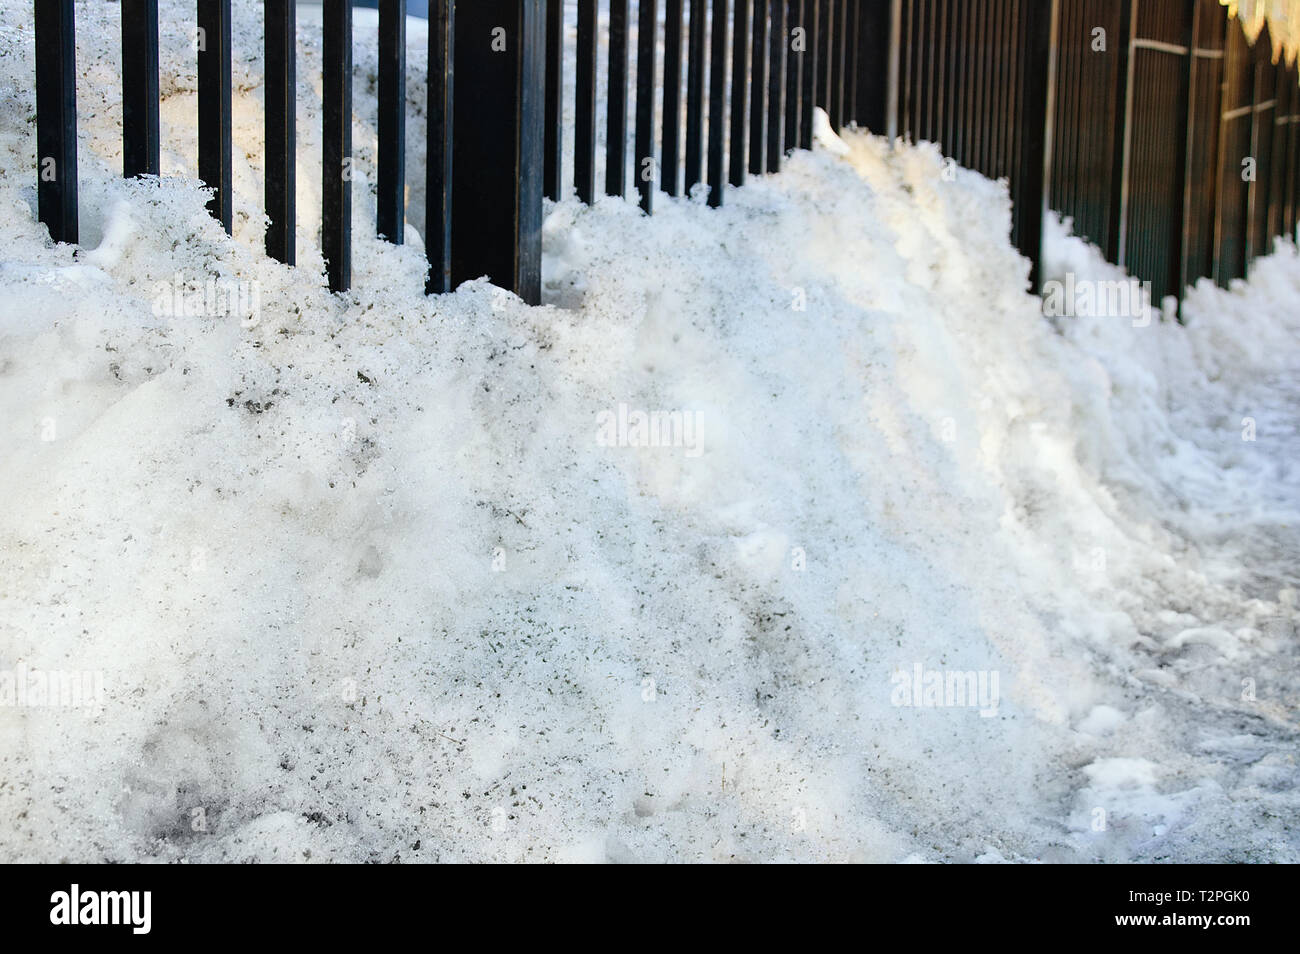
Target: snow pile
(786,531)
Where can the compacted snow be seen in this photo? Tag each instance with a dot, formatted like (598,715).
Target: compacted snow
(685,564)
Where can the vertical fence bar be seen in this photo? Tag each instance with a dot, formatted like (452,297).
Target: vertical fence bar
(717,99)
(1123,110)
(793,121)
(1040,32)
(758,88)
(824,21)
(498,140)
(438,164)
(553,145)
(584,105)
(56,119)
(281,171)
(214,106)
(739,89)
(670,178)
(837,51)
(776,69)
(643,162)
(872,77)
(808,92)
(853,12)
(140,145)
(336,145)
(390,179)
(616,102)
(695,96)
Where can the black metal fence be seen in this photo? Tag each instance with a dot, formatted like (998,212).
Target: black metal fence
(1153,123)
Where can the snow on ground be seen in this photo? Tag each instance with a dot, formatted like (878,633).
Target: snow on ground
(377,576)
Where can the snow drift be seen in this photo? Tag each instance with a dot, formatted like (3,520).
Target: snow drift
(386,577)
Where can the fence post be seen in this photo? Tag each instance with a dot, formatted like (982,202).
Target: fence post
(390,179)
(336,144)
(584,105)
(695,95)
(792,120)
(281,88)
(778,42)
(758,87)
(871,77)
(717,100)
(56,119)
(438,159)
(808,93)
(497,137)
(669,180)
(643,162)
(1039,78)
(553,146)
(214,106)
(893,86)
(616,102)
(140,145)
(1117,240)
(739,88)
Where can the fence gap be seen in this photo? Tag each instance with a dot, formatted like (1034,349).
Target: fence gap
(808,91)
(792,120)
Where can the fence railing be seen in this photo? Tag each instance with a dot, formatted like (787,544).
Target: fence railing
(1153,123)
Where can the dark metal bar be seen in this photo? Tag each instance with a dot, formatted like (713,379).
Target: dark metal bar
(758,88)
(1039,27)
(281,140)
(808,92)
(1121,111)
(644,158)
(584,105)
(56,119)
(214,106)
(776,84)
(695,96)
(616,102)
(824,24)
(793,73)
(139,88)
(498,120)
(390,179)
(852,49)
(553,147)
(836,107)
(717,99)
(336,144)
(438,164)
(670,160)
(739,89)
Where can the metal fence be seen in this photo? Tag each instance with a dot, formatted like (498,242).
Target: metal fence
(1153,123)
